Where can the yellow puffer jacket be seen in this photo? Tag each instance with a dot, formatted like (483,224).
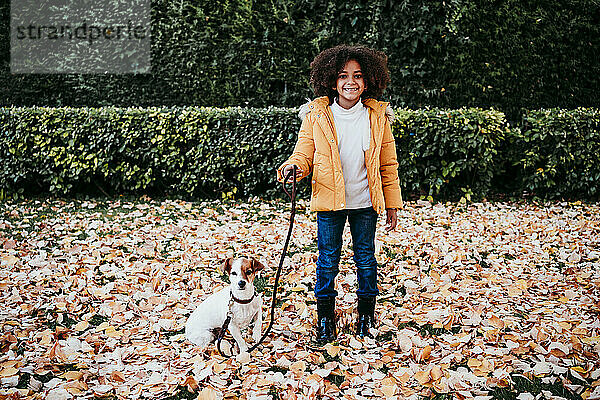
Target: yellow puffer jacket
(317,151)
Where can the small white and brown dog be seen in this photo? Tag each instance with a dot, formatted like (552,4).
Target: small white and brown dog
(206,321)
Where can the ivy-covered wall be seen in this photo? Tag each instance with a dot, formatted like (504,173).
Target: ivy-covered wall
(509,54)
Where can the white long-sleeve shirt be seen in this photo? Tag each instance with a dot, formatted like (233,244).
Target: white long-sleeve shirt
(354,136)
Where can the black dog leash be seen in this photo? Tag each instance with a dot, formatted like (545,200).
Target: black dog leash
(292,196)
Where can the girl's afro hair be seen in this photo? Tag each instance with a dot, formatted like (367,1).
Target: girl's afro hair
(329,63)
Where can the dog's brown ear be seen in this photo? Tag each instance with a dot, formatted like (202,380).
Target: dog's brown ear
(256,266)
(226,267)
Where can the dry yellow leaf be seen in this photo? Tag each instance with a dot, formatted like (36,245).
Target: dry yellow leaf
(9,260)
(404,343)
(178,264)
(496,322)
(117,376)
(591,339)
(422,377)
(558,349)
(355,344)
(484,368)
(263,382)
(298,368)
(218,367)
(81,326)
(565,325)
(10,363)
(46,340)
(243,357)
(426,353)
(112,332)
(580,331)
(492,335)
(389,390)
(522,283)
(75,387)
(580,370)
(514,291)
(388,381)
(10,371)
(190,383)
(449,321)
(332,350)
(102,326)
(441,386)
(72,375)
(404,378)
(208,394)
(436,373)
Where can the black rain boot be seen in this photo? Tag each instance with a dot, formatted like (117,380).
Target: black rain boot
(366,316)
(326,331)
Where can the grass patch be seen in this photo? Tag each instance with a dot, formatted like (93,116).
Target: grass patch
(522,384)
(337,380)
(428,329)
(273,393)
(438,396)
(389,253)
(385,337)
(172,333)
(225,278)
(67,321)
(25,378)
(310,248)
(384,370)
(97,319)
(182,394)
(260,283)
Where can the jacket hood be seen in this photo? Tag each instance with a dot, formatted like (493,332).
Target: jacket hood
(323,102)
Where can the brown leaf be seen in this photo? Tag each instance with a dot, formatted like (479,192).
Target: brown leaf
(190,383)
(117,376)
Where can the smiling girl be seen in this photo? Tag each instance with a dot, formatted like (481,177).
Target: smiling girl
(346,142)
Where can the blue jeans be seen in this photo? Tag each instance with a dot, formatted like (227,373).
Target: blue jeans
(330,226)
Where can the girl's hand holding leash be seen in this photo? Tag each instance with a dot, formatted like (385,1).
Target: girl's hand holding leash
(289,167)
(392,219)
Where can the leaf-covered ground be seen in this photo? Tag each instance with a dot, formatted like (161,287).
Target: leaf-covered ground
(487,300)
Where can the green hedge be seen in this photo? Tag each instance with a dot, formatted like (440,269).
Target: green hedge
(196,152)
(449,152)
(185,151)
(557,153)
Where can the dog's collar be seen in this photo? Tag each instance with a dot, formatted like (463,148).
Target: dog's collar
(246,301)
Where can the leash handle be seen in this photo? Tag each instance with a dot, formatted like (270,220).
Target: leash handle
(291,173)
